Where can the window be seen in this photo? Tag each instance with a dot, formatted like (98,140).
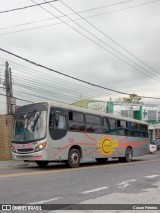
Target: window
(76,121)
(93,124)
(143,127)
(121,123)
(110,122)
(93,119)
(76,116)
(133,125)
(57,121)
(109,125)
(61,122)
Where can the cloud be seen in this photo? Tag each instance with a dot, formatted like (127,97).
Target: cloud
(61,48)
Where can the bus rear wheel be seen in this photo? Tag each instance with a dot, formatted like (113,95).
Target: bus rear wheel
(128,155)
(101,160)
(42,163)
(73,158)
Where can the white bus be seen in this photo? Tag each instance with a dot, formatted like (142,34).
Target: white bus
(54,132)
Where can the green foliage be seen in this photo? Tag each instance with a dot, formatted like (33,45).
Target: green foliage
(133,98)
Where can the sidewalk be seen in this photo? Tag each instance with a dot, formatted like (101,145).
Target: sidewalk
(8,163)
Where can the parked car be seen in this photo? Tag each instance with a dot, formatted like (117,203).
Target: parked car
(157,142)
(152,147)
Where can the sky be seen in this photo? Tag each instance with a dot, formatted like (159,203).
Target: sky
(111,43)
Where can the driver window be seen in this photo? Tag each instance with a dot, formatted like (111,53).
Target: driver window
(57,121)
(61,122)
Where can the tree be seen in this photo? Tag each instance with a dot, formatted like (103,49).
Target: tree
(133,98)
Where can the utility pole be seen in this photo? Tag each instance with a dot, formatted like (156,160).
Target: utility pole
(9,92)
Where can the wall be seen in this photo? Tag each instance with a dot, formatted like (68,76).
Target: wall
(5,136)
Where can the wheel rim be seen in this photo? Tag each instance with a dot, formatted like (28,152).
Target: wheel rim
(74,158)
(129,154)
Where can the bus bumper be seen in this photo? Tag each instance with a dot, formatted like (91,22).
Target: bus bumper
(41,155)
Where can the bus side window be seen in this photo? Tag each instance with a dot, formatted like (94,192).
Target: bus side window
(57,121)
(61,124)
(76,121)
(93,124)
(109,126)
(122,127)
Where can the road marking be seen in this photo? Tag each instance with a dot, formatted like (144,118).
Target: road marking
(94,190)
(46,201)
(127,181)
(124,184)
(152,176)
(73,170)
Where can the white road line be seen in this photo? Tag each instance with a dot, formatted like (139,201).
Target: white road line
(46,201)
(94,190)
(124,184)
(127,181)
(152,176)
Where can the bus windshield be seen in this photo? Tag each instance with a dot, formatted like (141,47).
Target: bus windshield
(30,126)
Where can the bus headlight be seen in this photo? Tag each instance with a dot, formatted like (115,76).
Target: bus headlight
(13,149)
(40,147)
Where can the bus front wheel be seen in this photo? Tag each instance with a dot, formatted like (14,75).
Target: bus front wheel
(73,158)
(42,163)
(128,155)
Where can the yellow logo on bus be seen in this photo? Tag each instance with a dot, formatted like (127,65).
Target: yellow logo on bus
(107,146)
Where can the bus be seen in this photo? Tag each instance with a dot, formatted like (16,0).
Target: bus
(55,132)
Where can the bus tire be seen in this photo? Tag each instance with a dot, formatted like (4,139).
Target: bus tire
(101,160)
(73,158)
(42,164)
(128,155)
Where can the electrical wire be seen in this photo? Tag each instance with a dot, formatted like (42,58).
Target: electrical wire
(74,86)
(16,98)
(69,76)
(151,76)
(109,38)
(33,22)
(34,28)
(26,7)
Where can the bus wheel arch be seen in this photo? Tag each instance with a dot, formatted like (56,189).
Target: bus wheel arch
(74,156)
(128,155)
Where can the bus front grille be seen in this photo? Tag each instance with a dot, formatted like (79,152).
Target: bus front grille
(25,150)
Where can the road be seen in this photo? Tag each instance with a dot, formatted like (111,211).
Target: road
(91,183)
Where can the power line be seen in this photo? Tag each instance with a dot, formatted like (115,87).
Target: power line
(22,8)
(108,37)
(34,28)
(16,98)
(68,14)
(53,78)
(83,90)
(99,40)
(77,79)
(71,91)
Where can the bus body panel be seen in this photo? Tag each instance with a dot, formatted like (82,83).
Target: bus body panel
(96,145)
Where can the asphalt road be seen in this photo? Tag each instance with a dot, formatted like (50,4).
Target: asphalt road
(113,182)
